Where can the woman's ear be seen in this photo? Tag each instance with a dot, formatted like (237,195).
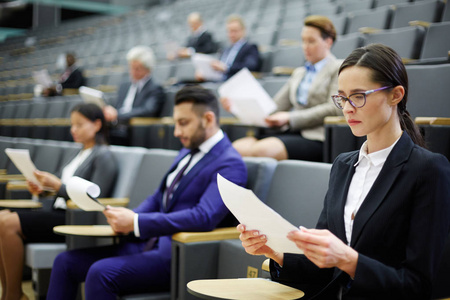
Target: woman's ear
(397,94)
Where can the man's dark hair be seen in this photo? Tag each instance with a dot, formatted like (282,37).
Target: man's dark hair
(203,99)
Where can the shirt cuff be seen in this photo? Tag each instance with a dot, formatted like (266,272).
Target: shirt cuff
(136,226)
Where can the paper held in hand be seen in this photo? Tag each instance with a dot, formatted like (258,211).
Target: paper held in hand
(256,215)
(250,103)
(202,64)
(84,194)
(22,160)
(43,78)
(91,95)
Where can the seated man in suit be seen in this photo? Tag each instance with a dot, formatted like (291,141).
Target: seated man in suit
(72,78)
(200,40)
(140,97)
(240,54)
(182,203)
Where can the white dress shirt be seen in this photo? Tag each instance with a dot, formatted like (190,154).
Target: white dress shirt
(68,172)
(134,89)
(367,170)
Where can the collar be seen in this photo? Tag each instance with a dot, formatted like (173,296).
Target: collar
(140,83)
(239,43)
(207,145)
(317,66)
(375,158)
(199,31)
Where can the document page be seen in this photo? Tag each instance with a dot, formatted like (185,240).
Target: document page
(250,103)
(91,95)
(202,64)
(22,160)
(43,78)
(256,215)
(84,194)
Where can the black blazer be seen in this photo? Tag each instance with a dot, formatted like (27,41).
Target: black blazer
(100,167)
(74,81)
(147,103)
(399,230)
(203,43)
(248,56)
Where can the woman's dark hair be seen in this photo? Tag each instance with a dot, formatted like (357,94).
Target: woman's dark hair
(388,70)
(93,112)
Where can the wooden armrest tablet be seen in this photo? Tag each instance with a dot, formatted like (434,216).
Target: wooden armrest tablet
(10,177)
(16,185)
(123,202)
(2,171)
(419,23)
(266,265)
(432,121)
(150,121)
(369,30)
(282,70)
(335,120)
(218,234)
(20,203)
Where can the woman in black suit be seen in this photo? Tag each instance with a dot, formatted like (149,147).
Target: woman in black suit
(386,214)
(94,162)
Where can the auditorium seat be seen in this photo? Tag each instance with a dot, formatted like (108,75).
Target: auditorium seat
(428,11)
(436,45)
(345,44)
(287,57)
(378,18)
(406,41)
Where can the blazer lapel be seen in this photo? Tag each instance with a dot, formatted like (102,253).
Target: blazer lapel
(343,177)
(208,159)
(81,170)
(391,169)
(295,83)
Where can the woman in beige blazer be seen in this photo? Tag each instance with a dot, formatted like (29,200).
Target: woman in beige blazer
(303,102)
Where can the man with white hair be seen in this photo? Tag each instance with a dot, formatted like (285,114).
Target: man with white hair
(141,97)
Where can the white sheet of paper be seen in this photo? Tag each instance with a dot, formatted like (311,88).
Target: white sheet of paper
(256,215)
(42,77)
(22,160)
(242,88)
(202,64)
(82,192)
(91,95)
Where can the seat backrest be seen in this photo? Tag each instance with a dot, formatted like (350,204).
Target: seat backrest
(345,44)
(291,56)
(129,160)
(4,143)
(298,189)
(47,157)
(375,18)
(22,110)
(57,109)
(8,111)
(428,11)
(273,84)
(38,109)
(11,168)
(259,175)
(436,43)
(154,165)
(428,90)
(406,41)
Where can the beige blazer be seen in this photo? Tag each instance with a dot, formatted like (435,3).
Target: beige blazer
(309,119)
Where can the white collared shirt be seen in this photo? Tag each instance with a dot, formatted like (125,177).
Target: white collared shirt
(68,172)
(134,89)
(204,148)
(367,170)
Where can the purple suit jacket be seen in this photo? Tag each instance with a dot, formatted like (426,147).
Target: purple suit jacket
(196,204)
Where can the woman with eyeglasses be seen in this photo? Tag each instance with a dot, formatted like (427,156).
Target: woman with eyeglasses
(385,219)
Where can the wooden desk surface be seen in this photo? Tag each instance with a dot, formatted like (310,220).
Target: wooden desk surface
(85,230)
(20,204)
(242,288)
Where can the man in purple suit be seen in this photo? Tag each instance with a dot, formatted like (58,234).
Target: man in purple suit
(187,200)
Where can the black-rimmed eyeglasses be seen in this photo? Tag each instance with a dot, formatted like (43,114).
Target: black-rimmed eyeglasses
(357,100)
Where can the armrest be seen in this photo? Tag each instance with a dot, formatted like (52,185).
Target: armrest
(335,120)
(105,201)
(432,121)
(19,203)
(215,235)
(2,171)
(369,30)
(10,177)
(282,70)
(419,23)
(16,185)
(266,265)
(150,121)
(288,42)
